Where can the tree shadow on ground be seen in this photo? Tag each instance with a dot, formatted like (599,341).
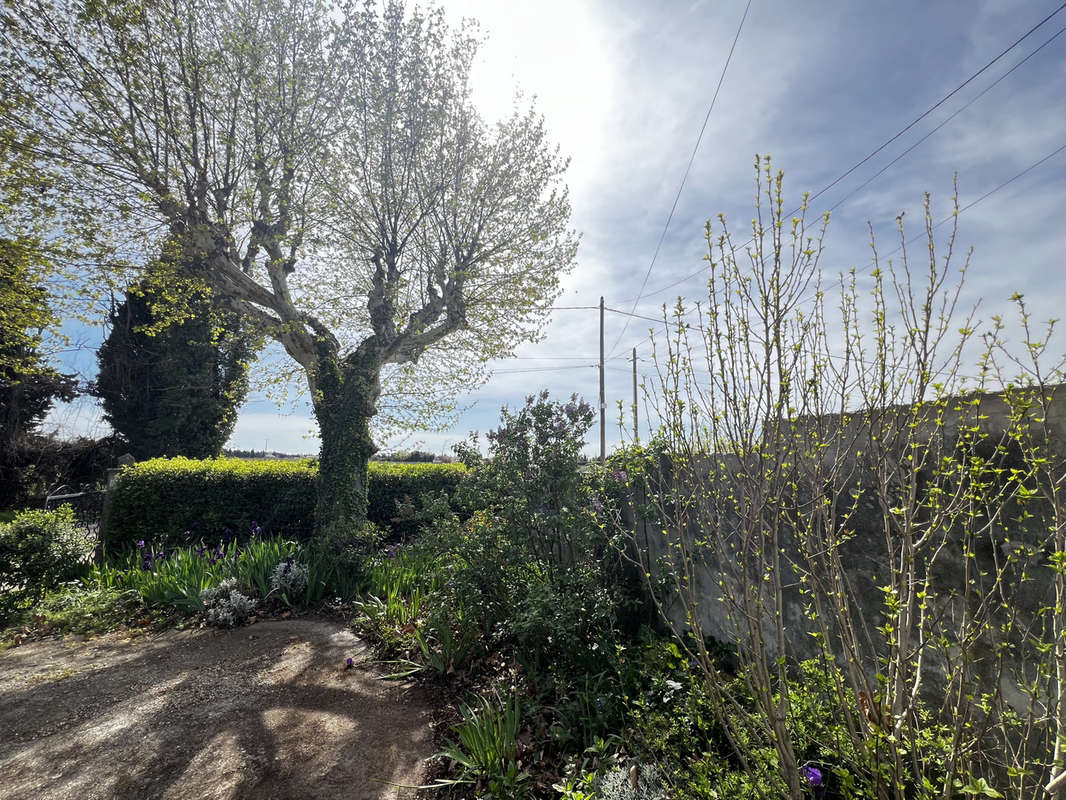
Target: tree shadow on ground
(267,711)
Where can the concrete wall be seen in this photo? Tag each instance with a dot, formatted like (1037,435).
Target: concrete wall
(841,456)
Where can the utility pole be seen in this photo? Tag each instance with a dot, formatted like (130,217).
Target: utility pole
(636,433)
(603,399)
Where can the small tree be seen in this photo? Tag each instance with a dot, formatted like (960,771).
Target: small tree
(29,384)
(836,489)
(325,169)
(173,391)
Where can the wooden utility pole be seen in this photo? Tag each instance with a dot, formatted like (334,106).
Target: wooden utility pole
(636,433)
(603,399)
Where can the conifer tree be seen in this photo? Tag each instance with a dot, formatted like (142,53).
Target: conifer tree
(173,389)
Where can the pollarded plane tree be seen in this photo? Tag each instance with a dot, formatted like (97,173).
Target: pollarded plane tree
(325,169)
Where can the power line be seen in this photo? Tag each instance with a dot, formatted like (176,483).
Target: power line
(547,358)
(896,136)
(939,102)
(539,369)
(597,308)
(961,108)
(684,177)
(961,210)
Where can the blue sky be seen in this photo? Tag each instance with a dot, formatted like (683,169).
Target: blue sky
(625,87)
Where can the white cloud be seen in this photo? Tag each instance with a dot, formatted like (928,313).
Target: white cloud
(283,433)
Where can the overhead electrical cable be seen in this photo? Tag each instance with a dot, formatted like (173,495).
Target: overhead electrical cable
(539,369)
(904,130)
(962,209)
(958,111)
(938,103)
(684,177)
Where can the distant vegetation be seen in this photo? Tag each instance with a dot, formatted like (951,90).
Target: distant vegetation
(264,454)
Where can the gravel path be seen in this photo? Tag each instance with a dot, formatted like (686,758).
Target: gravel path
(267,711)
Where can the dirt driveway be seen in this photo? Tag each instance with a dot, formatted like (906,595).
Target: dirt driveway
(266,711)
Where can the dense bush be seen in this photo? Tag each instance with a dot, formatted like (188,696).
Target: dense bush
(38,551)
(162,499)
(532,573)
(391,484)
(173,501)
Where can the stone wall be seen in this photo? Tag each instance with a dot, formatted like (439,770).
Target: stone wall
(844,457)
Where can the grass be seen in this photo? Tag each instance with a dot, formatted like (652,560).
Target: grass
(486,751)
(88,608)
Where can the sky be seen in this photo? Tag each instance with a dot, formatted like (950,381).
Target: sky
(625,88)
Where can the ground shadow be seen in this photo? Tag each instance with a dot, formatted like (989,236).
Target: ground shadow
(268,711)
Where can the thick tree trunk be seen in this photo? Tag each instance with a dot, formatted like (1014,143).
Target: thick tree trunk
(346,401)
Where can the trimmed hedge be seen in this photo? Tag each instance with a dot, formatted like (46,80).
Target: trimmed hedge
(177,500)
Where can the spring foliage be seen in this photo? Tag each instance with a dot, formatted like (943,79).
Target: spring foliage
(328,175)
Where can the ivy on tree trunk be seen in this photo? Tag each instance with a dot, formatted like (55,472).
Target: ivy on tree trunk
(346,401)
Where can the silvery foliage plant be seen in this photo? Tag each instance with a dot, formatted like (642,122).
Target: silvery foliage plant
(225,606)
(618,785)
(289,577)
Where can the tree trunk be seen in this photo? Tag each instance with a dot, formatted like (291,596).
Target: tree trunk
(345,402)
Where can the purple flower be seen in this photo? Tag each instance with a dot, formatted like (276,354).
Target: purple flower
(544,394)
(814,779)
(161,556)
(201,549)
(349,663)
(140,544)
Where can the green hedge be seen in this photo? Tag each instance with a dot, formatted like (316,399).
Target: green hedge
(38,551)
(162,499)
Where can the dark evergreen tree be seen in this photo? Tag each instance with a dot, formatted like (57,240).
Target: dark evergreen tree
(172,388)
(28,384)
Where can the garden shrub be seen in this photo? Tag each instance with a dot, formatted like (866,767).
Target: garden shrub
(289,577)
(618,784)
(226,605)
(391,484)
(38,551)
(534,568)
(174,501)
